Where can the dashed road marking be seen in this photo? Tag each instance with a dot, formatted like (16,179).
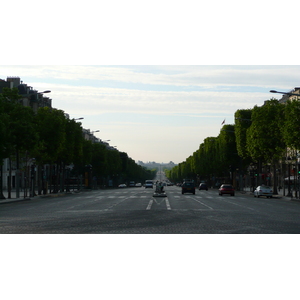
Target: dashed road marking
(150,204)
(168,204)
(202,203)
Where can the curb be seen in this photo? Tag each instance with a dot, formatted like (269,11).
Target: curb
(6,201)
(13,200)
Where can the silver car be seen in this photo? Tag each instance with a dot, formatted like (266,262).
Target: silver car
(263,190)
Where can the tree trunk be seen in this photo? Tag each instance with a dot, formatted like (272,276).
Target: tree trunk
(17,175)
(39,179)
(9,180)
(1,181)
(274,177)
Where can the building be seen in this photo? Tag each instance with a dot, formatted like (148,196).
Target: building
(290,95)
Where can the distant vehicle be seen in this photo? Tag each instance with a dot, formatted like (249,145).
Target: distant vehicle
(148,184)
(131,183)
(122,185)
(138,184)
(203,186)
(226,189)
(188,186)
(263,190)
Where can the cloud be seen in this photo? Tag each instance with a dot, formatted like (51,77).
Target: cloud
(139,107)
(93,100)
(205,77)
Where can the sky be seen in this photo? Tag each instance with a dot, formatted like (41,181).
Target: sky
(156,80)
(156,113)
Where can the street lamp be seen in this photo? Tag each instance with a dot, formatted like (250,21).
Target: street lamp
(78,119)
(285,93)
(95,131)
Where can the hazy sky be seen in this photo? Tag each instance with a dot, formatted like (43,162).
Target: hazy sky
(155,78)
(156,113)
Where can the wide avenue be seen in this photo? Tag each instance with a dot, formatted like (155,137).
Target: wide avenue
(135,210)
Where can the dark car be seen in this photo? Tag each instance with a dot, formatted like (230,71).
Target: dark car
(226,189)
(188,187)
(203,186)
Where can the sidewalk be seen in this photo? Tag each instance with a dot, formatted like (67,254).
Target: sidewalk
(21,196)
(279,196)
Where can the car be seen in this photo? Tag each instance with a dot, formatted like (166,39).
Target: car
(131,183)
(226,189)
(122,185)
(203,186)
(138,184)
(188,187)
(263,190)
(148,184)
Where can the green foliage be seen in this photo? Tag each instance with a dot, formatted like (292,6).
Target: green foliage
(17,126)
(51,138)
(52,133)
(227,147)
(242,123)
(291,126)
(264,136)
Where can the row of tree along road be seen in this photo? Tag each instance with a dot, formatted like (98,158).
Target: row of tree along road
(47,150)
(260,148)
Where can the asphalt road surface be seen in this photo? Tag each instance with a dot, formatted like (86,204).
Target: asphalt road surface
(135,210)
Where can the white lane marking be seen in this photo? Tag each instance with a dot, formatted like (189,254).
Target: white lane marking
(202,203)
(238,205)
(168,204)
(150,204)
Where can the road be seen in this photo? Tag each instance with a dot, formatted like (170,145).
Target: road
(134,210)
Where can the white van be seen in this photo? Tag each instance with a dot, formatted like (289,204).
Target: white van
(148,184)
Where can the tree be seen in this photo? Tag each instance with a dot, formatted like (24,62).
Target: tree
(227,152)
(51,147)
(52,134)
(20,130)
(265,141)
(242,123)
(291,126)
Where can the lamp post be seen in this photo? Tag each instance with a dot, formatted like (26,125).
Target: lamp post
(32,178)
(78,119)
(285,93)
